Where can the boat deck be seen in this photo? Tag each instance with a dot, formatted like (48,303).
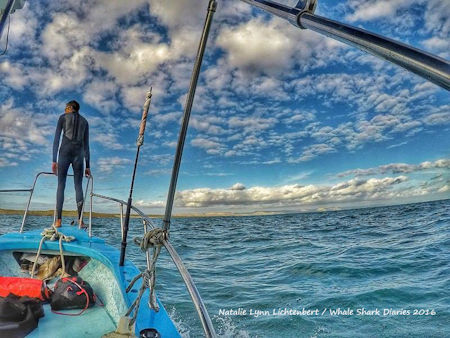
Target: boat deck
(94,322)
(104,275)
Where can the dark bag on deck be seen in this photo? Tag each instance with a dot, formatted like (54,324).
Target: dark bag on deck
(19,315)
(72,293)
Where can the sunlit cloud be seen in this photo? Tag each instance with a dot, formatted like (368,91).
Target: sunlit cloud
(396,168)
(291,195)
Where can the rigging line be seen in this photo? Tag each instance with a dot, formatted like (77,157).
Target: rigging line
(7,36)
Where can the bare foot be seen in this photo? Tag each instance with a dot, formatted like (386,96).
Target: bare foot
(57,223)
(82,225)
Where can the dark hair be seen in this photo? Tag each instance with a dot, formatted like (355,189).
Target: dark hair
(74,104)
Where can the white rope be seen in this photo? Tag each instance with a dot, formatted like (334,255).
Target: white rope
(153,239)
(52,234)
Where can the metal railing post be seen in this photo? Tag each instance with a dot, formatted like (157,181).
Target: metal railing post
(189,282)
(31,191)
(147,253)
(90,207)
(121,219)
(29,199)
(84,200)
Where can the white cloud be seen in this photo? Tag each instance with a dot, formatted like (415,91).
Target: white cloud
(298,117)
(291,195)
(24,24)
(298,177)
(110,64)
(101,95)
(75,25)
(437,118)
(108,164)
(371,10)
(133,97)
(401,16)
(6,163)
(252,124)
(165,118)
(23,133)
(445,188)
(437,44)
(161,159)
(271,47)
(211,145)
(134,64)
(397,168)
(108,140)
(437,17)
(238,186)
(397,145)
(313,151)
(190,13)
(158,172)
(208,124)
(149,204)
(248,46)
(12,75)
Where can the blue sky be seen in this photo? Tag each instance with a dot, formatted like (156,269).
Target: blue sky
(283,120)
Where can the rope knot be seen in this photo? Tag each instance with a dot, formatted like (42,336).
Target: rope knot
(146,278)
(52,234)
(153,238)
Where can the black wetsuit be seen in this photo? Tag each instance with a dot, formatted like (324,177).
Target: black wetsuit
(74,148)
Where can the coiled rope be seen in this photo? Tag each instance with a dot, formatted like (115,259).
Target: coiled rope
(52,234)
(152,239)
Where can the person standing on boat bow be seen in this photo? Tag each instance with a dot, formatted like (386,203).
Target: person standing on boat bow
(74,149)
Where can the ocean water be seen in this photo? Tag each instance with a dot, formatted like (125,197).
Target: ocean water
(378,272)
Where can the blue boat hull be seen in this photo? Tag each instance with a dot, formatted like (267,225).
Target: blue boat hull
(104,271)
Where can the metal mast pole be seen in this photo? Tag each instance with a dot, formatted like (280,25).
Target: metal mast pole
(187,112)
(426,65)
(5,14)
(139,142)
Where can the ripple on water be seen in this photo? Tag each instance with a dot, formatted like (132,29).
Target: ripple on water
(391,257)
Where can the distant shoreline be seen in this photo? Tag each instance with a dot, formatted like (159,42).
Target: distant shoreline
(66,213)
(73,213)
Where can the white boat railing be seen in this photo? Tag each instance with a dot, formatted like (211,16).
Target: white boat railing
(200,307)
(31,191)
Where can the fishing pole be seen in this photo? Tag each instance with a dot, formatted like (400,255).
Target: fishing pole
(139,143)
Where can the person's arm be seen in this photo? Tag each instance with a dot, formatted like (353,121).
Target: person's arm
(56,143)
(86,151)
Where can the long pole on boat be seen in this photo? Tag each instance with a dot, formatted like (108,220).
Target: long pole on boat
(5,13)
(187,113)
(426,65)
(139,143)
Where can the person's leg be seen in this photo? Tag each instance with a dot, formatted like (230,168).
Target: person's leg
(77,165)
(63,167)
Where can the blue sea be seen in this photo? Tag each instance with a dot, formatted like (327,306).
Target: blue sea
(377,272)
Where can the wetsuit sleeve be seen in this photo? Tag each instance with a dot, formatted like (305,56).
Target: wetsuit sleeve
(57,137)
(86,146)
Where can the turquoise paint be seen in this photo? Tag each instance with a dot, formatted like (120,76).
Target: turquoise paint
(97,249)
